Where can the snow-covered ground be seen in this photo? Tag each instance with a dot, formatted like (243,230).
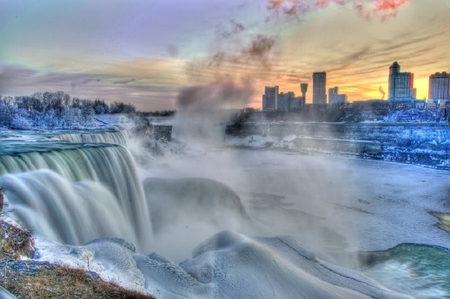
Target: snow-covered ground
(389,201)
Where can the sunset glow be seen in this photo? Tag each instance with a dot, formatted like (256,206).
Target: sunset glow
(145,52)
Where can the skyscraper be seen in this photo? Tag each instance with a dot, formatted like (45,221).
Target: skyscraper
(270,98)
(401,85)
(319,88)
(439,87)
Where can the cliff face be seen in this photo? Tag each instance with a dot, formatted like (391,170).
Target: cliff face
(417,143)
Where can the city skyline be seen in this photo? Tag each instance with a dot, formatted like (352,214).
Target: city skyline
(145,52)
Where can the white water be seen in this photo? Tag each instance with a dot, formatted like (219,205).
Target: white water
(117,137)
(105,175)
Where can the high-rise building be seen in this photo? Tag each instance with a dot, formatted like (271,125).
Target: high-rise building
(334,98)
(401,85)
(319,88)
(270,98)
(439,87)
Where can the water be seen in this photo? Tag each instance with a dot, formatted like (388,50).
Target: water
(419,270)
(75,173)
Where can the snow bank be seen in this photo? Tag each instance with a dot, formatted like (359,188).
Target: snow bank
(227,265)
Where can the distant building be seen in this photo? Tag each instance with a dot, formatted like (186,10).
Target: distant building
(401,85)
(296,103)
(270,98)
(334,98)
(319,88)
(439,87)
(284,101)
(303,89)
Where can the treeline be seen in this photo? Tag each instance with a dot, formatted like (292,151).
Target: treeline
(158,113)
(54,110)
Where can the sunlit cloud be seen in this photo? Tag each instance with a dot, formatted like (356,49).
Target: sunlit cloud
(147,52)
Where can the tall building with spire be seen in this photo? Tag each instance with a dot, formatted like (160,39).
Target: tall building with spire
(401,85)
(303,89)
(319,88)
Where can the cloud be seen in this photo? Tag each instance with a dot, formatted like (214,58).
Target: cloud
(16,80)
(366,8)
(124,82)
(83,82)
(172,50)
(233,29)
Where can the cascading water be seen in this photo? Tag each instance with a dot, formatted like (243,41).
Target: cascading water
(107,166)
(70,213)
(114,137)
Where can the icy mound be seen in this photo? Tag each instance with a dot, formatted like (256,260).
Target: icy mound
(111,258)
(227,265)
(189,201)
(235,266)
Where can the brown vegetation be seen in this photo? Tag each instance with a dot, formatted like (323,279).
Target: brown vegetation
(32,280)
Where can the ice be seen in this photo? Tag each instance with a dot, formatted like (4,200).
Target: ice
(227,265)
(242,267)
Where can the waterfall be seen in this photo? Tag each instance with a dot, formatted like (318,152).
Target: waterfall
(71,213)
(113,137)
(103,174)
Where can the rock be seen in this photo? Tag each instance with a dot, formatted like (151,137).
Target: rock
(2,199)
(15,241)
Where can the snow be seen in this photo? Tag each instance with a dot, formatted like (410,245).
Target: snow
(111,258)
(227,265)
(389,201)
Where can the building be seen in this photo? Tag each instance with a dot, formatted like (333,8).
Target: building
(439,86)
(270,98)
(332,92)
(334,98)
(319,88)
(273,100)
(284,100)
(401,85)
(303,89)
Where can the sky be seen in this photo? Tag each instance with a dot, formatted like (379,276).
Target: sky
(148,52)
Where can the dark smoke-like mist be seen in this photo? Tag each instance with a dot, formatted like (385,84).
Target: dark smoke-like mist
(202,110)
(382,92)
(221,94)
(235,61)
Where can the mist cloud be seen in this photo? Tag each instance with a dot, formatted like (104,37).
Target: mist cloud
(221,94)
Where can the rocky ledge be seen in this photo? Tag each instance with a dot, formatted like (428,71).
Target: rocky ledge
(24,277)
